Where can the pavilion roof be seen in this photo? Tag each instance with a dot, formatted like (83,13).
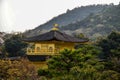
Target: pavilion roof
(55,35)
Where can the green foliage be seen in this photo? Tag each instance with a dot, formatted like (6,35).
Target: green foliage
(80,64)
(111,51)
(81,36)
(3,52)
(112,42)
(44,72)
(15,46)
(109,75)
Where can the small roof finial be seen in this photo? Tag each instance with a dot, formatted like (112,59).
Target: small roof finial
(55,27)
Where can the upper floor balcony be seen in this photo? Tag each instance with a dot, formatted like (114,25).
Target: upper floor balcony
(31,51)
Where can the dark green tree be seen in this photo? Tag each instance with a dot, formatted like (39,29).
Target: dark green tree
(80,36)
(81,64)
(111,42)
(15,46)
(111,51)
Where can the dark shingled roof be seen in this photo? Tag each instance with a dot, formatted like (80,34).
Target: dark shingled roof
(54,35)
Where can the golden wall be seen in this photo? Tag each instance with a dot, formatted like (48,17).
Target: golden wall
(50,48)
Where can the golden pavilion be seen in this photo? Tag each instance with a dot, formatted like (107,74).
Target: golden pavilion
(50,43)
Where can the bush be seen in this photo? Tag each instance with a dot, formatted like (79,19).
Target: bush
(17,70)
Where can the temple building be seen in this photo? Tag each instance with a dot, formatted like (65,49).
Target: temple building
(50,43)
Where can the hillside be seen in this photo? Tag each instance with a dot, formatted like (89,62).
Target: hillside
(71,16)
(100,24)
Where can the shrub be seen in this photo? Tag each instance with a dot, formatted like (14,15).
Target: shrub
(17,70)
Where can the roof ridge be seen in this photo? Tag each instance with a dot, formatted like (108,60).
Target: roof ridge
(55,35)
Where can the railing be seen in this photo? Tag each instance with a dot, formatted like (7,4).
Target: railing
(42,52)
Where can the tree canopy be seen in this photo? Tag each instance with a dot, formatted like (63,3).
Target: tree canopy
(14,45)
(111,50)
(80,64)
